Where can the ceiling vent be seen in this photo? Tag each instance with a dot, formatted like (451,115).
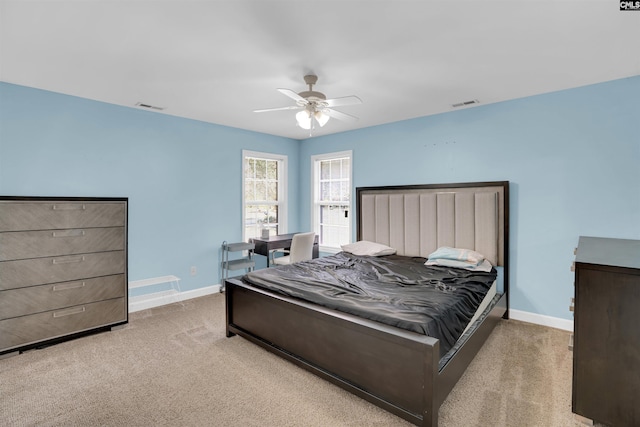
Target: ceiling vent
(465,103)
(150,107)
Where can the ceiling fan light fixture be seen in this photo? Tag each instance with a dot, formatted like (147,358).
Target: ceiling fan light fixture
(315,108)
(321,117)
(304,119)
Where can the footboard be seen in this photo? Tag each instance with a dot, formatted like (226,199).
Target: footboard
(394,369)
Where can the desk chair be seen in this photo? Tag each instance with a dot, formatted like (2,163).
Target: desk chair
(301,249)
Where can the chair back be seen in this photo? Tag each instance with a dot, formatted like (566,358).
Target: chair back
(302,247)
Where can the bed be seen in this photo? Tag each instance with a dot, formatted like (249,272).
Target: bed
(402,371)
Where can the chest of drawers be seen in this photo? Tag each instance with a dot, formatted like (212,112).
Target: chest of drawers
(606,350)
(63,268)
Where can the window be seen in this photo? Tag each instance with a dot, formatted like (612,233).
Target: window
(264,194)
(331,182)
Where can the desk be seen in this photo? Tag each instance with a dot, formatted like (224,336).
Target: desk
(280,241)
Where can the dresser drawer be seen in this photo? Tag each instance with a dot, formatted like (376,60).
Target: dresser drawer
(36,244)
(51,215)
(39,271)
(36,299)
(25,330)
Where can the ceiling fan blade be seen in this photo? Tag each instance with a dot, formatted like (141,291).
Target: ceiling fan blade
(345,100)
(291,107)
(340,115)
(291,94)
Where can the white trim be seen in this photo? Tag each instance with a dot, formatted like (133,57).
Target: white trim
(282,191)
(540,319)
(157,299)
(314,192)
(154,281)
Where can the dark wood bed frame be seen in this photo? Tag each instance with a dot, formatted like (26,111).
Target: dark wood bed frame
(394,369)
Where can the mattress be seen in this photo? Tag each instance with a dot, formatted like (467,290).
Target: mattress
(394,290)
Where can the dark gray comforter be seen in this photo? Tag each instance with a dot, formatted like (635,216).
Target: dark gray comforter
(394,290)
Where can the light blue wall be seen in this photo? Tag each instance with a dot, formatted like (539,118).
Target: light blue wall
(572,157)
(183,178)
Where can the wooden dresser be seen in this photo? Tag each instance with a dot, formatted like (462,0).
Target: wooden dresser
(63,269)
(606,351)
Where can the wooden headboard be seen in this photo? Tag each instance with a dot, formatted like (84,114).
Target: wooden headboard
(418,219)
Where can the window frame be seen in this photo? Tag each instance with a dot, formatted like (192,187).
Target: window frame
(282,202)
(315,193)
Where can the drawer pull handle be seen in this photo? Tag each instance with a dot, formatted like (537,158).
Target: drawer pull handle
(68,260)
(68,233)
(75,285)
(69,312)
(69,207)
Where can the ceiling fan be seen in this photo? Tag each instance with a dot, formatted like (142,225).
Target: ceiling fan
(314,106)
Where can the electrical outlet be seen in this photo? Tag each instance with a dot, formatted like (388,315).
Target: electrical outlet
(194,270)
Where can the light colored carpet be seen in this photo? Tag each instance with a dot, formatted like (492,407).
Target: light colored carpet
(173,366)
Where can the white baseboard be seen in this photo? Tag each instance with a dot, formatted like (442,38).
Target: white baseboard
(157,299)
(144,302)
(539,319)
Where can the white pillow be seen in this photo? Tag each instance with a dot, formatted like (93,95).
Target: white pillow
(364,247)
(465,255)
(483,266)
(459,258)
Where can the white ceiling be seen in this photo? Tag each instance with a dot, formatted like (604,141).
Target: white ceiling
(217,61)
